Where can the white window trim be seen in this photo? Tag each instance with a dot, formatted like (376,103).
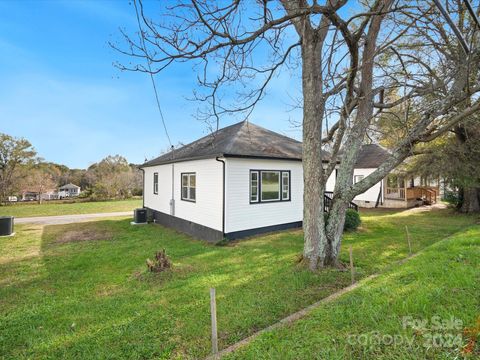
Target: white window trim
(189,187)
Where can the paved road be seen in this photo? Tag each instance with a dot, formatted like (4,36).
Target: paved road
(68,219)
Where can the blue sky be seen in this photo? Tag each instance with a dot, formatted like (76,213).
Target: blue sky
(59,89)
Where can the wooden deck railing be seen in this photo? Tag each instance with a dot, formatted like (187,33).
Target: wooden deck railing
(426,193)
(395,193)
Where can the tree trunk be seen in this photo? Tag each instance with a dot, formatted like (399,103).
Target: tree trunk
(336,221)
(313,177)
(470,202)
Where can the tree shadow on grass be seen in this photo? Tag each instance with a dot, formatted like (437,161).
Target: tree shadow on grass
(88,302)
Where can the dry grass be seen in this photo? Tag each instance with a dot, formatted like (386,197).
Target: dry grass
(83,235)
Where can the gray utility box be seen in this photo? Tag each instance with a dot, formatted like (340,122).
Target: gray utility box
(140,216)
(6,225)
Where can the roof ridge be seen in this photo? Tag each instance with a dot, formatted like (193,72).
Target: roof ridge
(186,146)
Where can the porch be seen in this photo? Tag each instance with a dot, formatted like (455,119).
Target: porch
(427,194)
(397,189)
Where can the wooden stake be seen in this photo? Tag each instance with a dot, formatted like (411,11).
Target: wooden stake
(408,240)
(352,270)
(213,312)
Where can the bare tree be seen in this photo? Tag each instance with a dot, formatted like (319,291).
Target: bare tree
(39,179)
(350,68)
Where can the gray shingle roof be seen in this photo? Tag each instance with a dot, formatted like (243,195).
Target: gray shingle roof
(243,139)
(371,156)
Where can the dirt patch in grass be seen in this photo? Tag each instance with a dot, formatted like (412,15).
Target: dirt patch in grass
(83,235)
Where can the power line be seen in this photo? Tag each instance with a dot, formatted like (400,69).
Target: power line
(150,72)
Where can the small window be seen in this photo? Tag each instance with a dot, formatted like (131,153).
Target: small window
(189,187)
(254,186)
(285,185)
(155,183)
(357,178)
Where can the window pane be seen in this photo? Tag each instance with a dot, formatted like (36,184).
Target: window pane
(254,186)
(185,180)
(184,192)
(192,193)
(254,193)
(285,185)
(193,180)
(155,183)
(270,185)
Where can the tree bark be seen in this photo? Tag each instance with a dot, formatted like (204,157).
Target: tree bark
(470,200)
(313,177)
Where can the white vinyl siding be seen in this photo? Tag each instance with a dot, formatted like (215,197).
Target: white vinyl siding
(372,193)
(242,213)
(207,208)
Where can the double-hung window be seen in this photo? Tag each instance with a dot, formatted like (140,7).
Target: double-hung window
(269,186)
(155,183)
(189,183)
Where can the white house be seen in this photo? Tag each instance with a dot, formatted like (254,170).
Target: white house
(68,190)
(240,181)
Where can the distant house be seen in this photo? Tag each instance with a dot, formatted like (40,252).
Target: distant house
(35,196)
(244,180)
(49,195)
(68,190)
(29,196)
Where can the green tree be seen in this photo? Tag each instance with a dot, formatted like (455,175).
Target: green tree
(113,178)
(14,152)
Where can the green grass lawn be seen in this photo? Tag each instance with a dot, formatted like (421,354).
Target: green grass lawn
(406,313)
(59,208)
(81,290)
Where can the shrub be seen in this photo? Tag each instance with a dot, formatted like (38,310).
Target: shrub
(352,220)
(451,197)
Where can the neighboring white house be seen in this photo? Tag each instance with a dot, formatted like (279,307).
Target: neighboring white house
(240,181)
(68,190)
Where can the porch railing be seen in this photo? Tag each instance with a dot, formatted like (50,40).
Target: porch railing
(426,193)
(327,204)
(395,193)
